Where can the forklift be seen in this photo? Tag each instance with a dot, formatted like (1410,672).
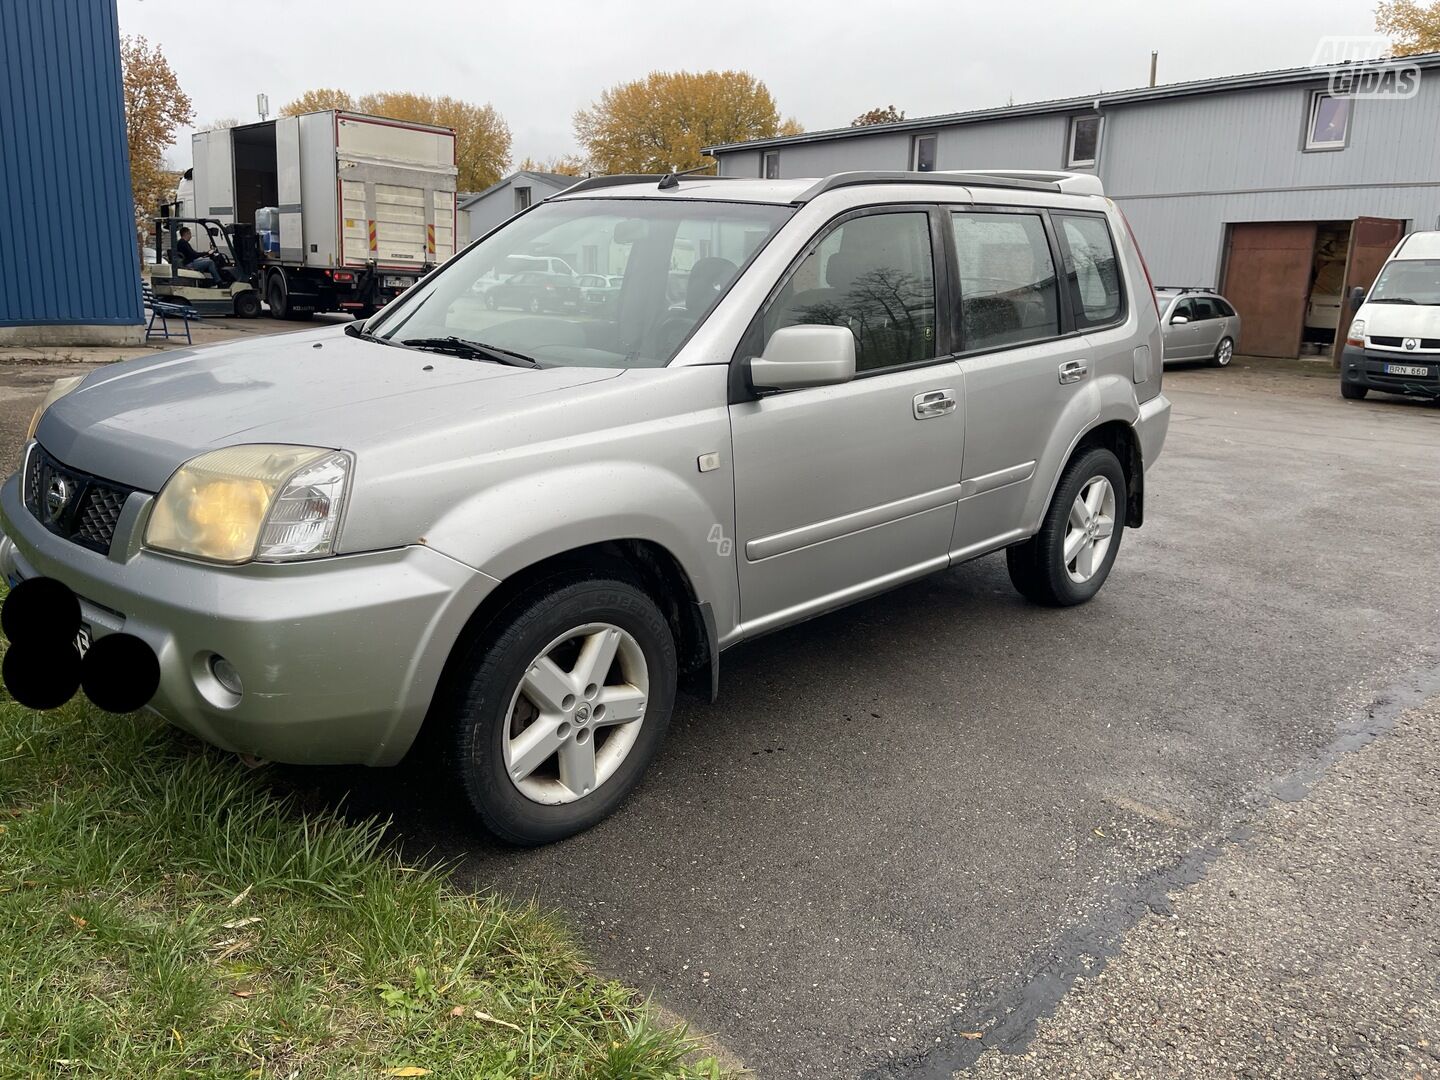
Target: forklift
(238,261)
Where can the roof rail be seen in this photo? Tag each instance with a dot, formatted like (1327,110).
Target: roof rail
(1184,288)
(956,179)
(1071,183)
(591,183)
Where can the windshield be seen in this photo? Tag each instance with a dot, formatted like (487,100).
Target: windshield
(1407,281)
(667,264)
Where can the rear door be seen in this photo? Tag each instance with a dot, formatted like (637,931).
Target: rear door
(287,177)
(845,490)
(1022,370)
(214,176)
(1209,326)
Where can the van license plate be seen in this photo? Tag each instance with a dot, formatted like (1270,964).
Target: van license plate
(1405,369)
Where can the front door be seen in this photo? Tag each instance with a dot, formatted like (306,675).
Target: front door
(1182,339)
(845,490)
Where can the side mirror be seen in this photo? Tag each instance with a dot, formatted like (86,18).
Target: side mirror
(1357,297)
(800,356)
(1179,320)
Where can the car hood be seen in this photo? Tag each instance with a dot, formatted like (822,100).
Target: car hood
(1401,320)
(138,421)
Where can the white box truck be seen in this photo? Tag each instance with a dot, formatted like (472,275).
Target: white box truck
(349,210)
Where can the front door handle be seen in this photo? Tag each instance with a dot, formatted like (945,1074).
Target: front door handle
(934,403)
(1072,371)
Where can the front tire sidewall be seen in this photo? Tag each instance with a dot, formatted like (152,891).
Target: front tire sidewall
(495,667)
(1224,353)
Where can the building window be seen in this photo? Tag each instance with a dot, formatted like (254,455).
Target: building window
(1327,126)
(1083,147)
(522,199)
(770,165)
(922,153)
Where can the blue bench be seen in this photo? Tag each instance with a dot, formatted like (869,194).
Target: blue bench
(162,311)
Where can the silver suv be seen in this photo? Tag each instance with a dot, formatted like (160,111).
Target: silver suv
(522,531)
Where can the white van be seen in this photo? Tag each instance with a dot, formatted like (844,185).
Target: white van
(1394,340)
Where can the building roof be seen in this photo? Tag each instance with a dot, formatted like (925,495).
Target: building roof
(1254,80)
(555,180)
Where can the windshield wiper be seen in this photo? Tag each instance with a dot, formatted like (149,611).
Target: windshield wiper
(471,350)
(1393,300)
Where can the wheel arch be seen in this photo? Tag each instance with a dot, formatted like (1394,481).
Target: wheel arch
(1118,437)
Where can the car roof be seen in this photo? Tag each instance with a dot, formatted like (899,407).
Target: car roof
(1420,245)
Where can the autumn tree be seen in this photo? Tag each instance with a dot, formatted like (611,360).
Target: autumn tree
(155,108)
(319,100)
(1413,28)
(482,138)
(662,121)
(561,165)
(886,115)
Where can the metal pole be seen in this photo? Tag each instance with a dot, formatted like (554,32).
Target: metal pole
(1154,62)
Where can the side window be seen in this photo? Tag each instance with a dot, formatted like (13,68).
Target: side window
(1184,308)
(1092,268)
(1205,308)
(1223,308)
(1008,291)
(874,274)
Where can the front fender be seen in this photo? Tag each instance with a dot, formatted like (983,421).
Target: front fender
(517,523)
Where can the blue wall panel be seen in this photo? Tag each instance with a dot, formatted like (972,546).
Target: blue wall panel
(67,231)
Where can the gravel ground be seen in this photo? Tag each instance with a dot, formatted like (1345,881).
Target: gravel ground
(1310,948)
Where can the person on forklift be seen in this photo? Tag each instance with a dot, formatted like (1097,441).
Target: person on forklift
(193,260)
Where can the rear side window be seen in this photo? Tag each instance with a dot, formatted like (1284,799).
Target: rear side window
(1092,268)
(874,274)
(1223,307)
(1008,289)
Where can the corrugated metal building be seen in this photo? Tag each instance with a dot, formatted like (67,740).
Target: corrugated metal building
(69,265)
(1264,185)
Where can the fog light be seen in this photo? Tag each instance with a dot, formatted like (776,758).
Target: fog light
(226,675)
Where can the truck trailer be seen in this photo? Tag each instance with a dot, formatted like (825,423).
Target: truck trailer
(349,210)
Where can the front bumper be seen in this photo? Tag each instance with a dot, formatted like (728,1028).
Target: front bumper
(1366,367)
(339,657)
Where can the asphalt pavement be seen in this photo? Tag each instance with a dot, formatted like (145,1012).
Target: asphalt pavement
(923,836)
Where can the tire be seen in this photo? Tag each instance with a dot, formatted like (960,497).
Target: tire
(276,297)
(1224,353)
(1353,391)
(534,305)
(1038,567)
(492,705)
(247,305)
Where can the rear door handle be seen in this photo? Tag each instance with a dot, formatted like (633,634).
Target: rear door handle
(1072,371)
(934,403)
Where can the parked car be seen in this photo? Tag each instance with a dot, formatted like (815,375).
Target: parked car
(1394,339)
(546,264)
(308,547)
(1199,324)
(598,290)
(535,291)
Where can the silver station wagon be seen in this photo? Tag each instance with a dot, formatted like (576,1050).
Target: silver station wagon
(519,532)
(1199,324)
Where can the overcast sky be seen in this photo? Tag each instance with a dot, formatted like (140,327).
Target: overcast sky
(825,62)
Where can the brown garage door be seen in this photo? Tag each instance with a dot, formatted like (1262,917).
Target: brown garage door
(1267,278)
(1371,241)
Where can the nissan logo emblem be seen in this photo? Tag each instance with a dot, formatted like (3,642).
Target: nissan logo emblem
(1411,344)
(57,497)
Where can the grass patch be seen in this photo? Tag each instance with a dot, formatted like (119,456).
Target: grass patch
(163,914)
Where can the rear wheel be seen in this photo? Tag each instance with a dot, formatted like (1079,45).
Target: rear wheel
(560,707)
(535,305)
(1224,353)
(1067,561)
(277,297)
(1353,391)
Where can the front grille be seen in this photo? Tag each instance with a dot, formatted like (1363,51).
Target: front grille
(1397,342)
(84,509)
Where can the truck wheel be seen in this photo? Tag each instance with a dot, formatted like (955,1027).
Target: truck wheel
(275,296)
(1352,391)
(559,707)
(1067,561)
(247,304)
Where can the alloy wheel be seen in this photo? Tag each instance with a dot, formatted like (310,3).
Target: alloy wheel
(576,714)
(1089,529)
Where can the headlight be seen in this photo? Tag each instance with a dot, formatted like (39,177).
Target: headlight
(59,390)
(1357,333)
(267,502)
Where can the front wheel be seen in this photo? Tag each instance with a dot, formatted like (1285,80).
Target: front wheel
(560,707)
(1353,391)
(1224,353)
(1067,561)
(247,304)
